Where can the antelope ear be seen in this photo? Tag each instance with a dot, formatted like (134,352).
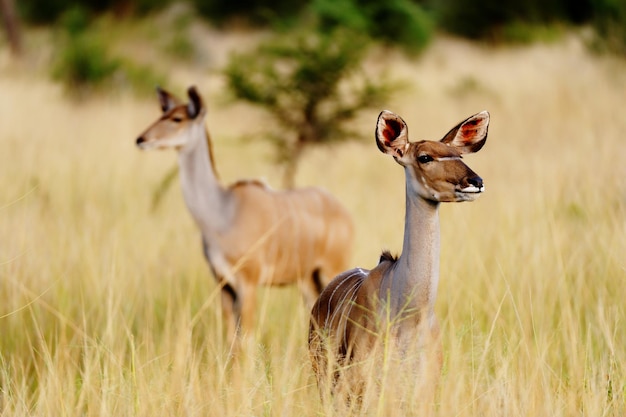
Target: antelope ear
(470,135)
(195,105)
(392,134)
(167,100)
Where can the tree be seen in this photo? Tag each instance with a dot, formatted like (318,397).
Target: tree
(11,25)
(312,83)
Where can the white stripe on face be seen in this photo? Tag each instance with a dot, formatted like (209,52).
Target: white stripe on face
(448,158)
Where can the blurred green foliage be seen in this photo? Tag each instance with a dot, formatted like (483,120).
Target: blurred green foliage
(407,23)
(49,11)
(400,22)
(256,12)
(489,19)
(82,59)
(610,25)
(313,86)
(531,20)
(83,62)
(525,33)
(179,43)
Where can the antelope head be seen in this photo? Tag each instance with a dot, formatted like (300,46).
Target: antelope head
(434,169)
(175,128)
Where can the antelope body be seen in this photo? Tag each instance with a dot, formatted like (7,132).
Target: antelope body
(394,302)
(251,235)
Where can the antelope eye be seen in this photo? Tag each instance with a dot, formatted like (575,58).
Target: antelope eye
(423,159)
(177,119)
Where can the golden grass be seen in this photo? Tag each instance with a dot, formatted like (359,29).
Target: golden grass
(107,308)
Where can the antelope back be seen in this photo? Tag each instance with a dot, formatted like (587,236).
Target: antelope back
(283,236)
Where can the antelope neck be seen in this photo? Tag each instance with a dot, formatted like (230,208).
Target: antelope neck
(416,275)
(206,199)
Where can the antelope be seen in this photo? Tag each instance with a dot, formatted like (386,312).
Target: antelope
(394,302)
(251,234)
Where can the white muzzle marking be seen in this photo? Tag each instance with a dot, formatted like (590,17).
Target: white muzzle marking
(472,189)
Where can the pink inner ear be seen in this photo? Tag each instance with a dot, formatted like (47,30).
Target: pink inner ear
(470,129)
(392,131)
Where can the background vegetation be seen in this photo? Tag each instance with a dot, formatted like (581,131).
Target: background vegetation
(312,85)
(405,22)
(107,307)
(84,60)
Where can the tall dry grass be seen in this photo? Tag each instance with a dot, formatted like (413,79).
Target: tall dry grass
(107,307)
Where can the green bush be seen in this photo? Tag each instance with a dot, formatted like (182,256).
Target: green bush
(82,59)
(312,85)
(256,12)
(341,13)
(49,11)
(525,33)
(610,25)
(528,21)
(400,22)
(83,62)
(466,18)
(490,19)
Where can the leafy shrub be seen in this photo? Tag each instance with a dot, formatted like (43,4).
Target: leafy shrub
(610,25)
(401,22)
(491,19)
(312,84)
(257,12)
(526,33)
(83,62)
(49,11)
(82,59)
(341,13)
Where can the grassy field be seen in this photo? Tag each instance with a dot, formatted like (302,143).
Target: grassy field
(108,309)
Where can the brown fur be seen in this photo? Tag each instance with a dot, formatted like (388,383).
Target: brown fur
(252,235)
(392,305)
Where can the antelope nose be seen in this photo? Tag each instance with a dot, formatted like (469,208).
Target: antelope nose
(140,140)
(476,181)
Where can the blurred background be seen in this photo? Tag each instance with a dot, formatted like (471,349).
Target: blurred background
(106,304)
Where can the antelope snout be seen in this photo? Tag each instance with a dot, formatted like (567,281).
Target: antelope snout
(470,188)
(476,181)
(140,140)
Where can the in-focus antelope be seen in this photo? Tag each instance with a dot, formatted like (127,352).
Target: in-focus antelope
(251,235)
(393,304)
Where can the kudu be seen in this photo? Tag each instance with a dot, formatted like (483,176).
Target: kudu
(251,234)
(393,303)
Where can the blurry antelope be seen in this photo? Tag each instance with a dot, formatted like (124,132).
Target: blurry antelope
(393,304)
(251,234)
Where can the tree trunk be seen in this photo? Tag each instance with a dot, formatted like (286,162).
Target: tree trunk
(291,165)
(11,25)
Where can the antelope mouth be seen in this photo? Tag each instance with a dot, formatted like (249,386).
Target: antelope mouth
(142,143)
(145,145)
(470,193)
(472,189)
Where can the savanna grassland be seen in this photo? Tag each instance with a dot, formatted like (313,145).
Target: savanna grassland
(107,307)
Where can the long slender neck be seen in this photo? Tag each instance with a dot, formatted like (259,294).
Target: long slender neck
(416,273)
(206,199)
